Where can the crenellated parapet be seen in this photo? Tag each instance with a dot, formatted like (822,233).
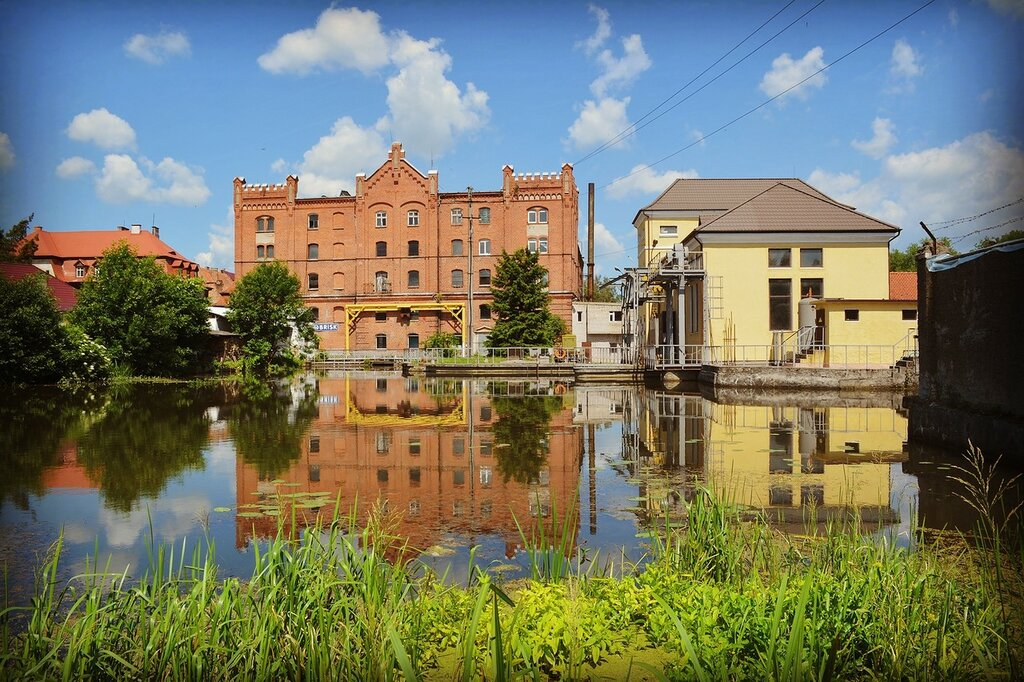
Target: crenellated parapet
(266,196)
(538,186)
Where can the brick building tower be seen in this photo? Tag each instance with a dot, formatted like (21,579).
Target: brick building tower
(389,267)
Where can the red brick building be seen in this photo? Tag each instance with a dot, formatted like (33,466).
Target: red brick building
(388,267)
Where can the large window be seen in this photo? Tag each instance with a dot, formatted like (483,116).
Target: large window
(313,280)
(414,279)
(779,258)
(542,244)
(313,221)
(485,312)
(531,245)
(780,304)
(265,224)
(382,343)
(457,276)
(412,218)
(539,245)
(485,216)
(485,277)
(813,287)
(382,249)
(456,216)
(810,258)
(381,283)
(456,247)
(313,251)
(537,216)
(382,218)
(484,247)
(414,248)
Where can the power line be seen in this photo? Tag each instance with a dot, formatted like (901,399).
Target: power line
(769,100)
(947,224)
(634,127)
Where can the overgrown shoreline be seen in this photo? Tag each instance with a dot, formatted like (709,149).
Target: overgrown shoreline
(719,598)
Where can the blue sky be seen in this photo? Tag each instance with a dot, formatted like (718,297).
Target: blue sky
(130,112)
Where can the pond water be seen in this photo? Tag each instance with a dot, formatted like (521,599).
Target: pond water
(455,463)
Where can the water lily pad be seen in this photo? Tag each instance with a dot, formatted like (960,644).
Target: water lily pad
(222,509)
(278,481)
(503,568)
(438,550)
(249,515)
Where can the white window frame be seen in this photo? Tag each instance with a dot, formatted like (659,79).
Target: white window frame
(79,270)
(456,216)
(412,218)
(382,218)
(537,216)
(542,245)
(531,245)
(668,231)
(483,247)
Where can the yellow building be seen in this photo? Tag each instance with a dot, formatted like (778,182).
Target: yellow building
(759,246)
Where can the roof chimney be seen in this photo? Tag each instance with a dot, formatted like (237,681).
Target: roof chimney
(122,228)
(136,229)
(156,231)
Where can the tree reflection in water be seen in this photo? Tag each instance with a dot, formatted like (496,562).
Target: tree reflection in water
(269,425)
(521,434)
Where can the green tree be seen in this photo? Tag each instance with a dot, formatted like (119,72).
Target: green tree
(605,292)
(521,303)
(154,323)
(523,429)
(992,241)
(906,261)
(31,335)
(14,246)
(264,307)
(268,427)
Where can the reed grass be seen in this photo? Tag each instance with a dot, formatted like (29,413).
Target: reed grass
(722,594)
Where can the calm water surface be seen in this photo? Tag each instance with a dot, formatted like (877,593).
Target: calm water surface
(455,462)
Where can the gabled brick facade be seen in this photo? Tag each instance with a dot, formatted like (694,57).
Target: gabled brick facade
(371,259)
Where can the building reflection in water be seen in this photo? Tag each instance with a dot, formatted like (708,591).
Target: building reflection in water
(450,456)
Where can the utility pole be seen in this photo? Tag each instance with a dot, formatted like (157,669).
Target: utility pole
(469,276)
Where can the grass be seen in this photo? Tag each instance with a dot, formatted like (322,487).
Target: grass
(720,596)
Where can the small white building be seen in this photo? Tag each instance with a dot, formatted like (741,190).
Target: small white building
(599,326)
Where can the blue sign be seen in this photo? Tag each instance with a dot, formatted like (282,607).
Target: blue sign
(325,326)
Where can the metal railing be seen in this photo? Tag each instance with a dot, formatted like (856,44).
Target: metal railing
(531,355)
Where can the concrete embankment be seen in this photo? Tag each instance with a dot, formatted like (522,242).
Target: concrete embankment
(809,378)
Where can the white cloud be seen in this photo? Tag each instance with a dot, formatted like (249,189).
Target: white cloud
(122,181)
(698,137)
(986,96)
(1013,8)
(428,111)
(643,181)
(621,72)
(904,65)
(342,39)
(332,163)
(883,139)
(966,177)
(954,17)
(601,33)
(279,166)
(102,128)
(787,72)
(605,242)
(6,152)
(222,244)
(600,122)
(157,49)
(74,167)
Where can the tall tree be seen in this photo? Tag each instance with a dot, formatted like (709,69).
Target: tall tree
(992,241)
(521,303)
(31,335)
(14,246)
(906,261)
(153,322)
(264,307)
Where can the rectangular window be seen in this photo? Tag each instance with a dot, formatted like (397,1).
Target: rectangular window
(413,218)
(313,251)
(80,269)
(458,446)
(414,248)
(314,443)
(265,224)
(382,341)
(910,314)
(485,216)
(414,279)
(810,258)
(456,247)
(314,281)
(456,278)
(381,317)
(779,258)
(780,304)
(668,231)
(414,341)
(813,287)
(485,413)
(261,253)
(851,315)
(382,249)
(484,247)
(485,278)
(456,216)
(579,315)
(414,446)
(537,216)
(485,312)
(382,218)
(542,244)
(531,245)
(615,316)
(314,221)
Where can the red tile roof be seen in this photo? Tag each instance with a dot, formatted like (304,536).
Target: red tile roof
(902,286)
(65,294)
(92,243)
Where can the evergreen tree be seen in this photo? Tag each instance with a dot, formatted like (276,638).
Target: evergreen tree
(152,322)
(14,246)
(265,305)
(521,303)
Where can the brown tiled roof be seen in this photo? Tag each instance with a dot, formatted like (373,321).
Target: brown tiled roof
(902,286)
(62,291)
(92,243)
(784,208)
(720,194)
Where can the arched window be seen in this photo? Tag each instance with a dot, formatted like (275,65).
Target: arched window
(414,248)
(313,251)
(485,216)
(265,224)
(485,312)
(382,341)
(314,281)
(537,216)
(457,278)
(414,279)
(484,247)
(339,314)
(339,280)
(413,218)
(485,277)
(456,247)
(313,221)
(382,249)
(380,282)
(261,252)
(382,218)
